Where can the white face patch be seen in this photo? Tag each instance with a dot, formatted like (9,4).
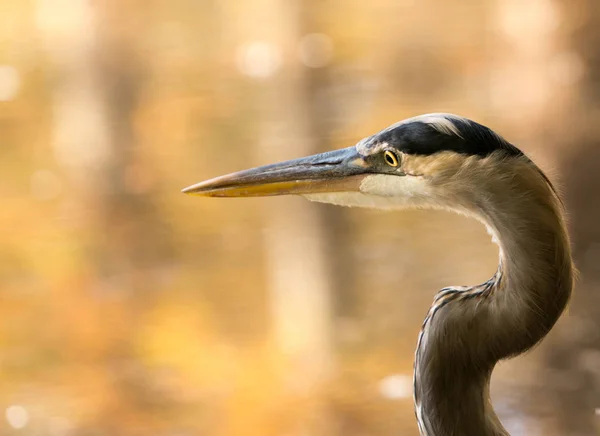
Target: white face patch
(383,191)
(394,186)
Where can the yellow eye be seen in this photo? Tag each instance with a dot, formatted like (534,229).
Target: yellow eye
(390,158)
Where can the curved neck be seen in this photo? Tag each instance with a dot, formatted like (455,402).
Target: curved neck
(467,331)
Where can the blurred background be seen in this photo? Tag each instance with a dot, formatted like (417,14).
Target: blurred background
(127,308)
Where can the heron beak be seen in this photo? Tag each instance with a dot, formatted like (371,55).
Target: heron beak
(334,171)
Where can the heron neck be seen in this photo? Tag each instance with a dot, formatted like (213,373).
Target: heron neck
(467,331)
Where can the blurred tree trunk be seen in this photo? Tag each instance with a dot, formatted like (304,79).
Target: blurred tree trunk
(298,277)
(540,80)
(96,95)
(93,105)
(574,358)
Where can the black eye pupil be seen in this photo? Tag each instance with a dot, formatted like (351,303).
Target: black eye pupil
(390,158)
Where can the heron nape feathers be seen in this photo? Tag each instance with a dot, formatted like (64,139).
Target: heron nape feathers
(444,161)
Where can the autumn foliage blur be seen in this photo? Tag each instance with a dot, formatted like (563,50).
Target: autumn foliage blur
(127,308)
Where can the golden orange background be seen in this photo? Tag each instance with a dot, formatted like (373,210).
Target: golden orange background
(127,308)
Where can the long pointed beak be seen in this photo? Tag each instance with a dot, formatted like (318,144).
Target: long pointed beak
(334,171)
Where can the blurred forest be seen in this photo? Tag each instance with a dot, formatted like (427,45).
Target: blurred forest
(128,308)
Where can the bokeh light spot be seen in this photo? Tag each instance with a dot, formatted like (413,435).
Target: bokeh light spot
(396,387)
(10,82)
(17,416)
(258,59)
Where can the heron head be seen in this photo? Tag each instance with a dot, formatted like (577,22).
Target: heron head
(434,160)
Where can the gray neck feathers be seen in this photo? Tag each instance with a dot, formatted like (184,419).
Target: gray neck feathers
(468,330)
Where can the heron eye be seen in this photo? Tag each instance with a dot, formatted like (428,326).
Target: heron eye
(390,158)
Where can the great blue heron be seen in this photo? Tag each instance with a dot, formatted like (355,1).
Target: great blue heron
(443,161)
